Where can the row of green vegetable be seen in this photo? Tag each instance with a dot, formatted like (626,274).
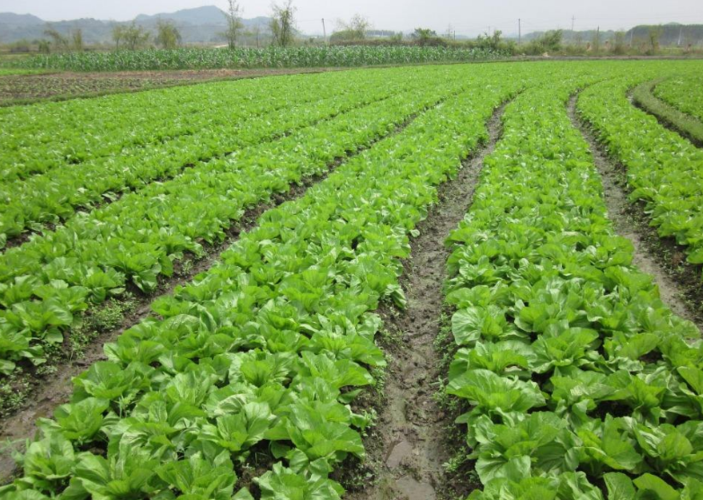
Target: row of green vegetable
(55,276)
(54,196)
(684,92)
(250,57)
(256,362)
(686,125)
(664,170)
(579,381)
(44,137)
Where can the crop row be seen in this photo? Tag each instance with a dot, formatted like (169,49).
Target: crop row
(255,362)
(53,197)
(248,57)
(685,124)
(44,137)
(575,375)
(47,280)
(684,93)
(663,169)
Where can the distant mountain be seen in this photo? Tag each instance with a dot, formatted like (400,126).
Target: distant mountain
(198,16)
(19,19)
(199,25)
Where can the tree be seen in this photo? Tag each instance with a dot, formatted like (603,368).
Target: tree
(491,42)
(356,28)
(619,47)
(77,40)
(655,33)
(255,32)
(423,35)
(59,41)
(134,37)
(234,23)
(167,35)
(283,24)
(118,34)
(551,40)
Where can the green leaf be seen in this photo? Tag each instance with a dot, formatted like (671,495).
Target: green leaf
(652,484)
(620,486)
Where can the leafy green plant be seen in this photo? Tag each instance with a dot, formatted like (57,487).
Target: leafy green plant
(269,347)
(574,369)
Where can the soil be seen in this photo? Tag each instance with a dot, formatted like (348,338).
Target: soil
(31,88)
(49,392)
(413,435)
(679,282)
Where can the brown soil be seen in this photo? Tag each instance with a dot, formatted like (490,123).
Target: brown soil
(413,436)
(49,392)
(679,283)
(27,89)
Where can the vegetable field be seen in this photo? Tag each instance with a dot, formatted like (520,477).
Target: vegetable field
(249,57)
(412,282)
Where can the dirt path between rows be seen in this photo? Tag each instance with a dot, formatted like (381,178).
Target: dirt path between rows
(56,390)
(412,441)
(679,283)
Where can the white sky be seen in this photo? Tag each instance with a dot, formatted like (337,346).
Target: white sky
(469,17)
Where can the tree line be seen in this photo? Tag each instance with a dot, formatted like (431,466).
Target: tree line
(166,34)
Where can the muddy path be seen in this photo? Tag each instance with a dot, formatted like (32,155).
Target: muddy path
(48,392)
(412,438)
(679,283)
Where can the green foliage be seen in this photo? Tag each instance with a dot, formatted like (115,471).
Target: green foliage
(664,169)
(283,24)
(684,93)
(106,249)
(168,37)
(247,57)
(268,348)
(233,16)
(568,360)
(130,36)
(689,126)
(574,369)
(353,30)
(549,43)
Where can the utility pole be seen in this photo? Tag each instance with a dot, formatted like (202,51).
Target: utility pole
(519,31)
(324,30)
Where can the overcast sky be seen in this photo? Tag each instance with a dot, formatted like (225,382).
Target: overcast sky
(465,16)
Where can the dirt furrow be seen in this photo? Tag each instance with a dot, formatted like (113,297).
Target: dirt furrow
(679,283)
(412,440)
(48,392)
